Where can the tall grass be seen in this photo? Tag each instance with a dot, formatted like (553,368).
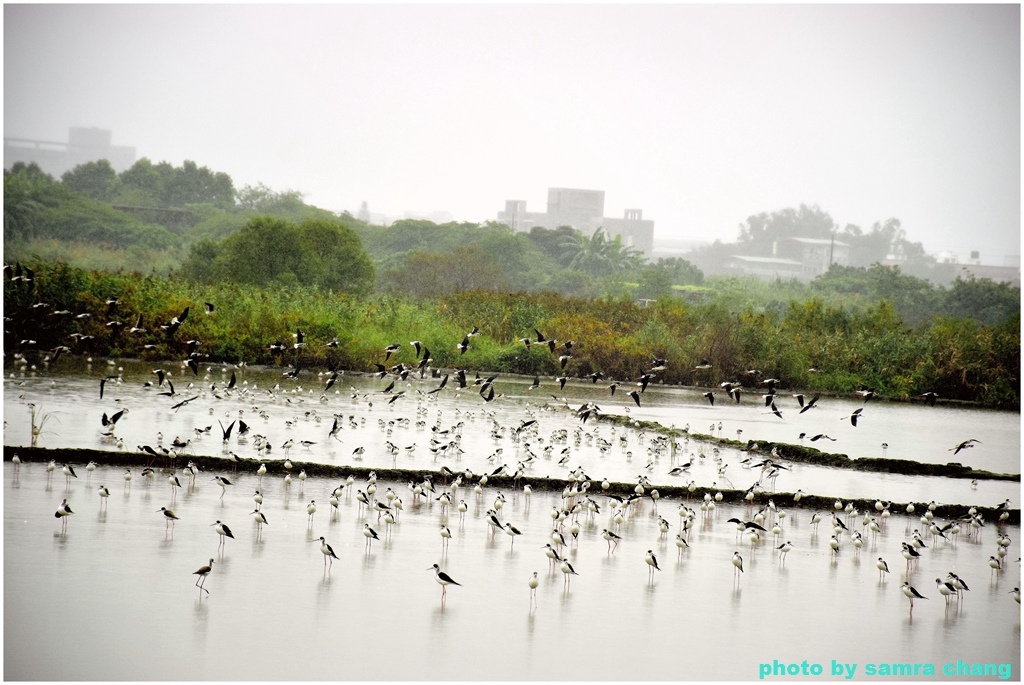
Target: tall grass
(871,346)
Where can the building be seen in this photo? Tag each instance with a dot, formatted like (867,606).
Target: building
(584,211)
(768,268)
(815,255)
(84,145)
(802,258)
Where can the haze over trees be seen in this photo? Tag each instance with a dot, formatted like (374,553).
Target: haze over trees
(190,231)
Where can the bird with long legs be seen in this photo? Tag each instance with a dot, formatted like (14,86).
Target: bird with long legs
(567,571)
(328,553)
(911,593)
(169,518)
(958,583)
(223,531)
(444,580)
(202,572)
(261,520)
(370,534)
(946,589)
(62,513)
(533,582)
(512,532)
(882,567)
(175,484)
(223,483)
(652,564)
(69,473)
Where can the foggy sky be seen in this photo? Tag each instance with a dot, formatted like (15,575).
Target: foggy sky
(701,115)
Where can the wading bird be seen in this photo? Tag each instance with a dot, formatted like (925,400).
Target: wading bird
(202,572)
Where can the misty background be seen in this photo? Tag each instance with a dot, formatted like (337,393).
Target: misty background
(701,115)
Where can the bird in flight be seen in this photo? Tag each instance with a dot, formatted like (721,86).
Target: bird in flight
(964,445)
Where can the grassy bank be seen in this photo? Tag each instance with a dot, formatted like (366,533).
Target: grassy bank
(809,345)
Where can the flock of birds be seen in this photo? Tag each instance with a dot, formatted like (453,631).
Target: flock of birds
(582,510)
(583,496)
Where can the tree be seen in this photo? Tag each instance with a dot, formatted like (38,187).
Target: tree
(192,184)
(269,250)
(265,250)
(260,199)
(552,241)
(597,255)
(201,264)
(22,206)
(760,231)
(142,184)
(983,300)
(96,180)
(426,273)
(654,283)
(680,271)
(335,258)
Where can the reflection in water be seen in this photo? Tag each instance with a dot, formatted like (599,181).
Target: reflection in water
(280,584)
(928,433)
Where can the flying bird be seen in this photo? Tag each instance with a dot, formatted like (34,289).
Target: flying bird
(964,445)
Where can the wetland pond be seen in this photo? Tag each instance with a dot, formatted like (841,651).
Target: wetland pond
(113,596)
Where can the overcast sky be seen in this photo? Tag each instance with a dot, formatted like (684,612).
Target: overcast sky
(700,115)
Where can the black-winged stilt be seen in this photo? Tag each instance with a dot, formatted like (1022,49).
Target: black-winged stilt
(444,580)
(202,572)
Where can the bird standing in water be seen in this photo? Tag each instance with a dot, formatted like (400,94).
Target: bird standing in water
(444,580)
(202,572)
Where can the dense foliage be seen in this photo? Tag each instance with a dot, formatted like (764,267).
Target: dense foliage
(960,359)
(160,238)
(268,251)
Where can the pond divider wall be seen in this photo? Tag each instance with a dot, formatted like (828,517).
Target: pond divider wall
(341,472)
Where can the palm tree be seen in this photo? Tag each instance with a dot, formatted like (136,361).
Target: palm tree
(598,255)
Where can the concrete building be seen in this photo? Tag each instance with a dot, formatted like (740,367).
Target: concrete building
(801,258)
(768,268)
(84,145)
(972,267)
(815,255)
(584,211)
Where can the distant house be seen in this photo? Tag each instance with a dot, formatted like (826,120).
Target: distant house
(801,258)
(816,255)
(583,210)
(84,145)
(997,274)
(768,268)
(1008,272)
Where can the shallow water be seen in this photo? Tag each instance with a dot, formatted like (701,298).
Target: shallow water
(914,432)
(114,598)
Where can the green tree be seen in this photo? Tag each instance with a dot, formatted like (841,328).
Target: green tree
(192,184)
(202,262)
(260,199)
(983,300)
(760,231)
(426,273)
(22,206)
(552,241)
(142,184)
(96,180)
(654,283)
(598,255)
(335,258)
(264,251)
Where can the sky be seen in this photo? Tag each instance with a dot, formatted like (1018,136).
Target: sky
(700,115)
